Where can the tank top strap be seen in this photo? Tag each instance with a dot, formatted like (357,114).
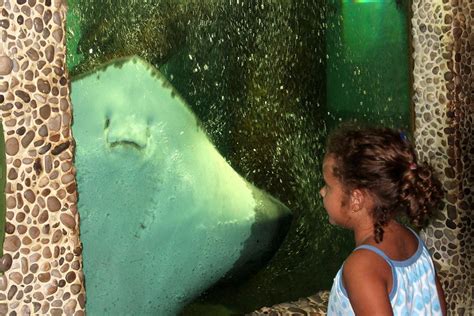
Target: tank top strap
(377,251)
(382,254)
(416,235)
(421,242)
(412,230)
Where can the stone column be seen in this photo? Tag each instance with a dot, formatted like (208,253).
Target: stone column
(444,116)
(42,248)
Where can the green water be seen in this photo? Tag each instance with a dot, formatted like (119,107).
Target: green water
(367,70)
(267,80)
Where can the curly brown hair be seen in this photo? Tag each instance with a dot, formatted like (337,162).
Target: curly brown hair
(383,162)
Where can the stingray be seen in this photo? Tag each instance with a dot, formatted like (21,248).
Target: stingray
(163,215)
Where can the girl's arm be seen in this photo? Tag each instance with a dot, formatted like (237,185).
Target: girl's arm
(368,280)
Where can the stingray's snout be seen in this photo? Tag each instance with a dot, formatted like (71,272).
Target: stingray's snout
(126,131)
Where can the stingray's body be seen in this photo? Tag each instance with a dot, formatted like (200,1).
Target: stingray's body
(163,215)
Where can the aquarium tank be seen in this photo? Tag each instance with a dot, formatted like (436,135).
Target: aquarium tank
(254,87)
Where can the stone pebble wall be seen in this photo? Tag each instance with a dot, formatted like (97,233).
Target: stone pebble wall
(444,117)
(42,251)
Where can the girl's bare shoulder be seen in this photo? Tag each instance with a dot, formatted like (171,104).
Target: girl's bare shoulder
(366,263)
(367,279)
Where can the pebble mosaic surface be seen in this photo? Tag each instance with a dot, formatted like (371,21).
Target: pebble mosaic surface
(42,260)
(315,305)
(42,250)
(442,43)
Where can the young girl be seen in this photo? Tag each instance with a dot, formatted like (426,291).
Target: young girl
(371,175)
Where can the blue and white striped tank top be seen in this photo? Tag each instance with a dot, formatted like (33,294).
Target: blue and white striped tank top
(414,287)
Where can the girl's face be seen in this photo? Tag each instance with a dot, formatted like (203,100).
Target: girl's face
(333,196)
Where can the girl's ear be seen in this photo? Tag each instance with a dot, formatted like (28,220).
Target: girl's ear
(357,200)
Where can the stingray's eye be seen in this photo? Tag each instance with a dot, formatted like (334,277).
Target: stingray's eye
(107,123)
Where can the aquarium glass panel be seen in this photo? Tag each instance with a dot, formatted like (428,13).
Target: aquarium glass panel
(264,81)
